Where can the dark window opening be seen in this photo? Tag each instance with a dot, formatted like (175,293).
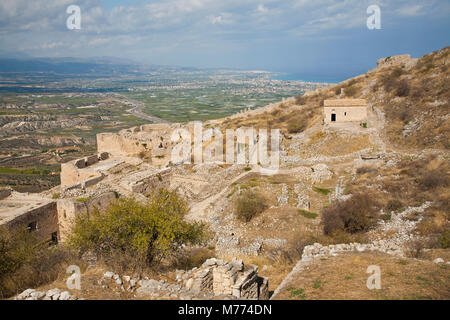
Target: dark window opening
(333,117)
(32,226)
(54,239)
(345,113)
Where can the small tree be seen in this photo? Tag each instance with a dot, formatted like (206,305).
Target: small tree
(141,231)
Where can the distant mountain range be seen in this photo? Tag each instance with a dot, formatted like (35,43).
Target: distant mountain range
(106,66)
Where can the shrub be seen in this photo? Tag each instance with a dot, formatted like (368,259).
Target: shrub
(249,204)
(298,244)
(351,91)
(297,126)
(444,239)
(402,88)
(25,262)
(391,84)
(300,100)
(363,170)
(414,248)
(356,214)
(397,72)
(433,179)
(394,205)
(144,233)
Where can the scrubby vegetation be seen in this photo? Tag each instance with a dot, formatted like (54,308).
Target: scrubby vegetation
(26,263)
(356,214)
(249,204)
(132,234)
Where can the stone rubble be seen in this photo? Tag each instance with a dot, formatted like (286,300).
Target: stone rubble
(52,294)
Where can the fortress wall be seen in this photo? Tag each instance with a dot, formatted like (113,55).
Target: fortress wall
(71,175)
(45,218)
(78,172)
(118,145)
(151,183)
(69,209)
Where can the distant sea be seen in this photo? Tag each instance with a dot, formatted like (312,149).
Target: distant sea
(300,77)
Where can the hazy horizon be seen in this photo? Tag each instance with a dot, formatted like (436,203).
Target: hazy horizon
(316,39)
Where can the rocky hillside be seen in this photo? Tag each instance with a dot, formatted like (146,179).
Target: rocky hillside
(413,94)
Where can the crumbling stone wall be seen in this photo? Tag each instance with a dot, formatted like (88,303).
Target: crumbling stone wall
(43,221)
(73,172)
(69,209)
(401,60)
(227,279)
(119,145)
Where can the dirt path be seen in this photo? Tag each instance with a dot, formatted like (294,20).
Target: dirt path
(198,211)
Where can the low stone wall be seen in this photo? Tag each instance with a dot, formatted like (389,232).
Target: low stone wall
(145,183)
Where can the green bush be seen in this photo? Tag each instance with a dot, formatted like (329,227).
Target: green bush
(142,232)
(249,204)
(356,214)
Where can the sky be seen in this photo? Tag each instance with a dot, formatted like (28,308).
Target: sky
(315,38)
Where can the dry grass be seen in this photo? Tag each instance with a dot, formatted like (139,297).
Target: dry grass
(344,277)
(337,145)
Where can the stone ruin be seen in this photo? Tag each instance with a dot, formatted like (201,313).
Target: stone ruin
(224,278)
(215,279)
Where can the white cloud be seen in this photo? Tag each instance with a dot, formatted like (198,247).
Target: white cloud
(262,9)
(215,20)
(29,24)
(411,10)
